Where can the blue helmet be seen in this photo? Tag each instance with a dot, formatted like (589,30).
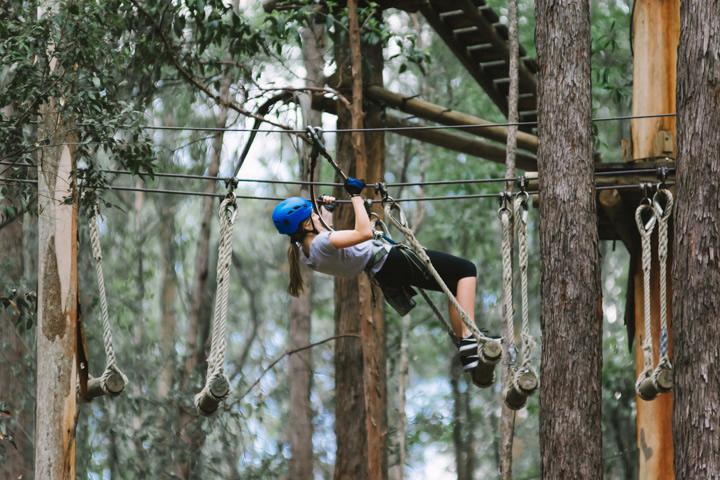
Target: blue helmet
(290,213)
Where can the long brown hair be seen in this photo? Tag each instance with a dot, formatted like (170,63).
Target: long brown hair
(296,286)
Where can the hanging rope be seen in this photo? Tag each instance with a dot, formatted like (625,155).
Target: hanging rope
(217,385)
(522,381)
(489,350)
(113,380)
(644,386)
(505,215)
(662,375)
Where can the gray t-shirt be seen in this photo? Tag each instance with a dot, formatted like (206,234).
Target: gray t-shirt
(339,262)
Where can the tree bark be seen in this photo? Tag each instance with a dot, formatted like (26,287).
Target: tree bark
(300,466)
(201,311)
(56,337)
(570,396)
(57,307)
(140,463)
(507,415)
(19,461)
(360,398)
(696,276)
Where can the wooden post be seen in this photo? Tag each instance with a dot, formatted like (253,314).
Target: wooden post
(656,30)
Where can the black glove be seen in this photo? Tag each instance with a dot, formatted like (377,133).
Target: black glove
(328,206)
(354,186)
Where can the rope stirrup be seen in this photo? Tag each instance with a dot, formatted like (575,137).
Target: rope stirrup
(113,380)
(523,381)
(217,385)
(662,376)
(644,385)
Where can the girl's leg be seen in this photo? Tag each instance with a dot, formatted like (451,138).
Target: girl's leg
(466,298)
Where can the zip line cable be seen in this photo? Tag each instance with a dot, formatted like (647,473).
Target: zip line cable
(335,184)
(255,197)
(396,129)
(390,129)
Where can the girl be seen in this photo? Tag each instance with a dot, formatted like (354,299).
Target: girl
(347,253)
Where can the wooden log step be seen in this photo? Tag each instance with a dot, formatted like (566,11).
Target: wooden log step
(456,19)
(502,85)
(483,53)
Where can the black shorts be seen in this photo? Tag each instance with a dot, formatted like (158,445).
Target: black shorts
(399,270)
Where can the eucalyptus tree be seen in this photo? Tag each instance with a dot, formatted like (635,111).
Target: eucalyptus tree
(696,278)
(569,245)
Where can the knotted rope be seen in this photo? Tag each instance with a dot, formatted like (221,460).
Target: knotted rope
(216,359)
(520,215)
(401,224)
(663,215)
(110,366)
(646,229)
(505,215)
(522,381)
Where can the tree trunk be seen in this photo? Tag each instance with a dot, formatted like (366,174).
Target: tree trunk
(459,425)
(360,392)
(56,336)
(201,310)
(696,276)
(19,461)
(140,463)
(57,306)
(300,364)
(570,397)
(396,468)
(507,415)
(168,289)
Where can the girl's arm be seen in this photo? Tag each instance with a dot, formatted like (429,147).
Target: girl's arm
(361,232)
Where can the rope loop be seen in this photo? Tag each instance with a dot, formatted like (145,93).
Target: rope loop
(216,358)
(645,227)
(663,214)
(110,366)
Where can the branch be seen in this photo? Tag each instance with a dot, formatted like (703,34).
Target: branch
(204,88)
(332,91)
(297,350)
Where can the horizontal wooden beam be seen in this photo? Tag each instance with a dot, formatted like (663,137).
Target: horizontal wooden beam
(451,140)
(446,116)
(458,142)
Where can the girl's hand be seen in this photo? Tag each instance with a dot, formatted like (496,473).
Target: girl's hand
(354,186)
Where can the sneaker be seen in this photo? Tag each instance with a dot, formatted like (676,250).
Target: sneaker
(469,362)
(468,345)
(469,353)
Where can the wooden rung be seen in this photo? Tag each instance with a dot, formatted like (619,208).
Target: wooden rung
(489,14)
(515,398)
(483,375)
(209,401)
(646,390)
(664,382)
(115,384)
(456,19)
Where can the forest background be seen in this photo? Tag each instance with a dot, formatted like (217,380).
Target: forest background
(119,78)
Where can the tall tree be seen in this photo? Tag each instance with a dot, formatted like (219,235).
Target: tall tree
(12,359)
(300,364)
(570,399)
(696,276)
(57,288)
(357,363)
